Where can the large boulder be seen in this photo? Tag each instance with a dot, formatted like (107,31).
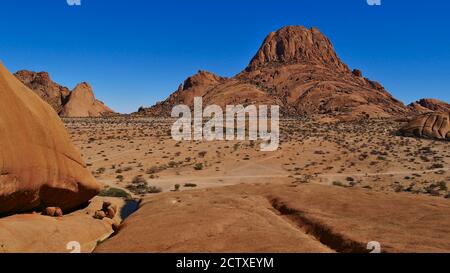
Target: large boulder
(430,125)
(39,166)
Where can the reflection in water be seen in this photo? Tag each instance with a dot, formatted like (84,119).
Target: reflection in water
(130,207)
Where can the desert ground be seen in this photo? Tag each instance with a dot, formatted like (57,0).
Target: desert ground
(363,154)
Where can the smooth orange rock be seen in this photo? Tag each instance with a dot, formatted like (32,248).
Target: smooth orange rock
(282,218)
(40,167)
(431,125)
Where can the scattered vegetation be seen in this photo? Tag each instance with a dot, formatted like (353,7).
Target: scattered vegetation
(114,192)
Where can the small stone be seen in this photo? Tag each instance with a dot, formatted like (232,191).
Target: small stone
(110,213)
(58,212)
(50,211)
(100,215)
(357,73)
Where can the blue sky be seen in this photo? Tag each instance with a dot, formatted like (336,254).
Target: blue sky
(136,52)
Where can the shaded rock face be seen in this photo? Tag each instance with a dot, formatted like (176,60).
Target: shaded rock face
(59,96)
(430,125)
(40,167)
(41,83)
(82,103)
(430,105)
(297,69)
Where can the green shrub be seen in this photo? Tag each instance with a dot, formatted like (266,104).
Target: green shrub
(114,192)
(198,166)
(339,184)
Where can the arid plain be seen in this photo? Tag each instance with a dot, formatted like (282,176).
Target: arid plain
(362,154)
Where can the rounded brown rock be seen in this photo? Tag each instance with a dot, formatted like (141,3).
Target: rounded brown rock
(40,165)
(434,125)
(100,215)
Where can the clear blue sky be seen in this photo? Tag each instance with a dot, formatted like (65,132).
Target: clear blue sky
(136,52)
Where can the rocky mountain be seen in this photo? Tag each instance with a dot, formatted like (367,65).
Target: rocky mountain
(61,99)
(429,105)
(297,69)
(39,166)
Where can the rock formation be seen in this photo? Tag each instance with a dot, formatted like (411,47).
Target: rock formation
(108,211)
(430,105)
(40,167)
(294,45)
(41,83)
(35,233)
(430,125)
(195,86)
(297,69)
(80,102)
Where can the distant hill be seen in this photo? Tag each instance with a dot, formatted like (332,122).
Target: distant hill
(80,102)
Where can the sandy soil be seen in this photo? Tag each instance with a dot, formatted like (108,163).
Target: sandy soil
(364,154)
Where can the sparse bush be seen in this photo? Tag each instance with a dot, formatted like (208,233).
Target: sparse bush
(100,170)
(442,186)
(339,184)
(153,189)
(198,166)
(114,192)
(120,178)
(138,180)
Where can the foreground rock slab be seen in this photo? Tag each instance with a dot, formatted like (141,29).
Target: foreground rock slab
(35,233)
(282,218)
